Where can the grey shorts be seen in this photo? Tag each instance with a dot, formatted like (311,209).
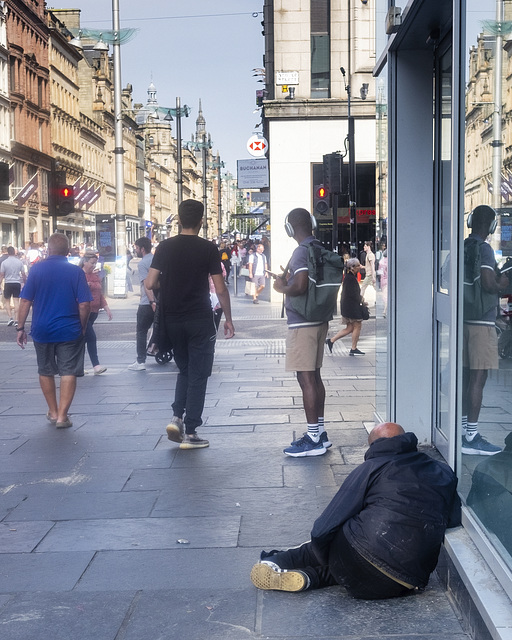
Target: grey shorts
(62,358)
(259,281)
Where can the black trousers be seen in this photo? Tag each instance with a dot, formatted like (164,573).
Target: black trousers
(145,317)
(193,344)
(346,567)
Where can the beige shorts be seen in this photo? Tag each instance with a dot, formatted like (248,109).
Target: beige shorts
(480,350)
(305,348)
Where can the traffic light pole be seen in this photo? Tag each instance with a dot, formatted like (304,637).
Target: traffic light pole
(120,269)
(335,222)
(352,182)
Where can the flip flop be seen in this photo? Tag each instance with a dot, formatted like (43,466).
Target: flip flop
(50,419)
(64,425)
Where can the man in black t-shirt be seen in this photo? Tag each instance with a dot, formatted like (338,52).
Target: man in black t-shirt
(180,269)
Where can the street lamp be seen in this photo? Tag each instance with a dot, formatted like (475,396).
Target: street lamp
(351,171)
(115,37)
(204,145)
(178,113)
(219,165)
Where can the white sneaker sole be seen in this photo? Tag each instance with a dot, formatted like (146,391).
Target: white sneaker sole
(307,454)
(193,445)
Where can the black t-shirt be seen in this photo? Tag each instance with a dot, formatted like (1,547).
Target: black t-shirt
(185,262)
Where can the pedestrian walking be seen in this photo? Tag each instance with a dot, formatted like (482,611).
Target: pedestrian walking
(180,270)
(351,308)
(147,303)
(60,298)
(370,278)
(88,264)
(258,266)
(12,273)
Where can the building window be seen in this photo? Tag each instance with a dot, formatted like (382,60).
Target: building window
(320,49)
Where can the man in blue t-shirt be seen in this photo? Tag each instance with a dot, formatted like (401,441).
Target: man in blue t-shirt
(60,299)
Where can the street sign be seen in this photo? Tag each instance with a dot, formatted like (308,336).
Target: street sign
(287,77)
(257,146)
(252,174)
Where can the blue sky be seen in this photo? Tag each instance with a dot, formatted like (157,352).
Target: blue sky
(195,49)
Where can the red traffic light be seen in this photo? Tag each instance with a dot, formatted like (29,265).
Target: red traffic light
(321,192)
(64,200)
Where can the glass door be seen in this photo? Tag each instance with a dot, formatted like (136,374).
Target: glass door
(444,365)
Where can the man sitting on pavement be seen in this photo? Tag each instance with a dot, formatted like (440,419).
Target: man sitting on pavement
(381,534)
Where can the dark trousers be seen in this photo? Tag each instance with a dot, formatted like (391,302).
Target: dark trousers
(346,567)
(145,317)
(90,340)
(193,344)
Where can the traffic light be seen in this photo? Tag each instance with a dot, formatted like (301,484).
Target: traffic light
(64,199)
(321,200)
(333,163)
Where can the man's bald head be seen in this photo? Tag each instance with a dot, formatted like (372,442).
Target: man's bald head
(385,430)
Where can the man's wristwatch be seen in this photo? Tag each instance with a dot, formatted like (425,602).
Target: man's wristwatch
(20,329)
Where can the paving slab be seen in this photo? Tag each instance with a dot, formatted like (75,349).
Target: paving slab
(65,615)
(90,516)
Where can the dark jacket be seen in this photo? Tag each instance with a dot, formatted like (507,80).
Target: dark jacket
(350,300)
(394,509)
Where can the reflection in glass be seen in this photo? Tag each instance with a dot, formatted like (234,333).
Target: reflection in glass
(444,172)
(443,378)
(381,251)
(491,494)
(486,471)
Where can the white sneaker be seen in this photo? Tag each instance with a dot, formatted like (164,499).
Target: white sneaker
(137,366)
(99,368)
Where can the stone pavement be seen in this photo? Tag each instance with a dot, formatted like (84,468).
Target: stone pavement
(110,532)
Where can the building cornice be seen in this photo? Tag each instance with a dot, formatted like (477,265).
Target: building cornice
(317,109)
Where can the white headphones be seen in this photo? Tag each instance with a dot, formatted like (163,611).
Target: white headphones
(492,226)
(290,231)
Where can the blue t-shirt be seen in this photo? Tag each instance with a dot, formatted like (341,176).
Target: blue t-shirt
(56,288)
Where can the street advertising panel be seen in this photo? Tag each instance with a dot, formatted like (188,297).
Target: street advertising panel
(252,174)
(106,237)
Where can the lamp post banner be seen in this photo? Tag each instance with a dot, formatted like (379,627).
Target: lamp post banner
(28,190)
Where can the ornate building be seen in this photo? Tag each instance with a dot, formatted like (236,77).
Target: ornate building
(65,116)
(10,231)
(160,147)
(27,38)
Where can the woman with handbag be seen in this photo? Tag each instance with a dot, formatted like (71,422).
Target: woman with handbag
(353,309)
(88,264)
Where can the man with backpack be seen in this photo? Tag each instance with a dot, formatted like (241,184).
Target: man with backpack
(482,285)
(306,337)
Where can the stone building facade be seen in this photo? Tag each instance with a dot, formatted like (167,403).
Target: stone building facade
(29,93)
(317,54)
(9,229)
